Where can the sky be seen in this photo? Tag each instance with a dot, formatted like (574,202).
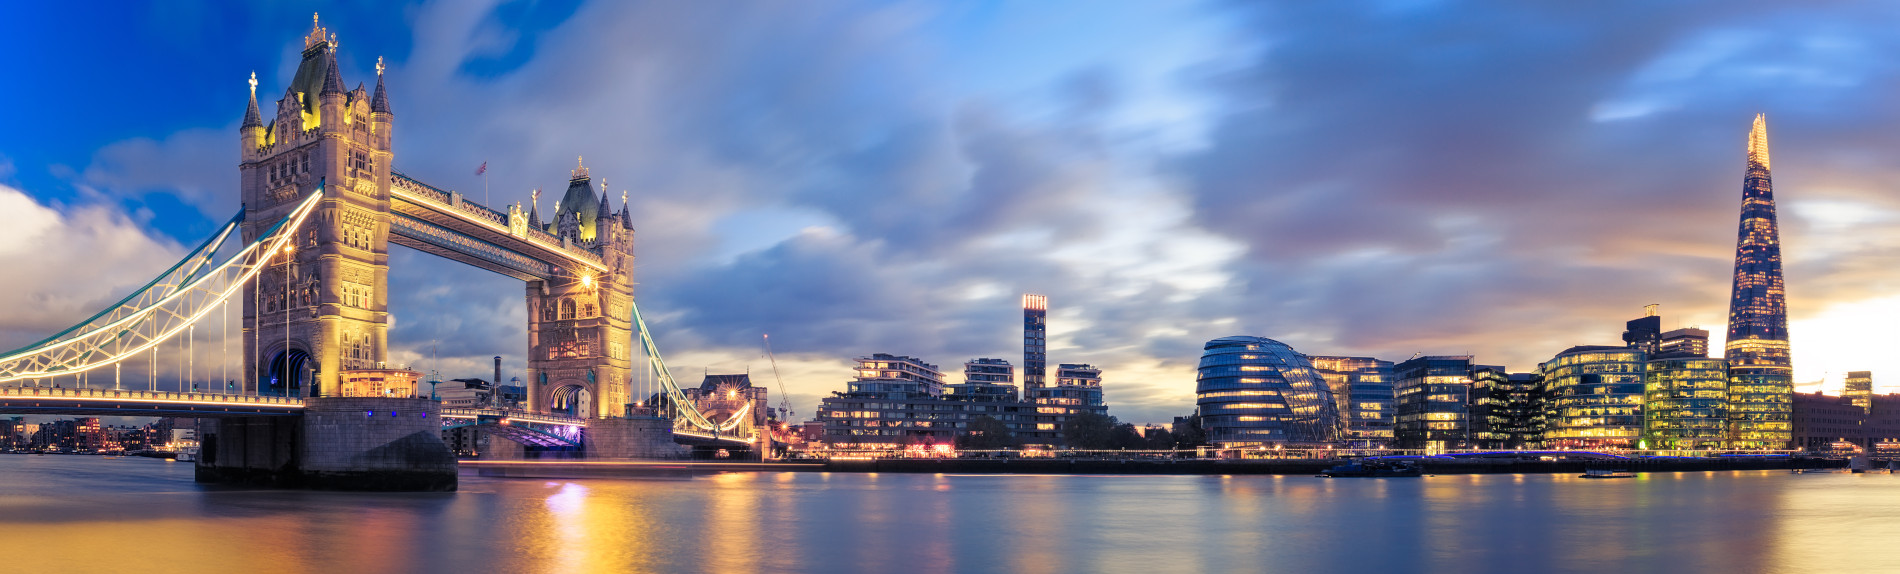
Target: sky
(1501,179)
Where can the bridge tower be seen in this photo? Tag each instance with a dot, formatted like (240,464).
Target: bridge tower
(580,327)
(322,308)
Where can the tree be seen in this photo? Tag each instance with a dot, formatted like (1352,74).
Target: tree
(1188,433)
(1124,436)
(1158,438)
(1089,431)
(986,433)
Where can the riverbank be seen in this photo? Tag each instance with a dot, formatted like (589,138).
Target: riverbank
(687,469)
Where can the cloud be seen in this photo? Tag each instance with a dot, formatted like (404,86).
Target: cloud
(197,166)
(1513,180)
(73,262)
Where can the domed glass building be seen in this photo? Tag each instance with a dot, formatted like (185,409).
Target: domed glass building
(1258,391)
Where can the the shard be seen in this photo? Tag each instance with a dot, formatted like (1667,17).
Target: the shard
(1761,377)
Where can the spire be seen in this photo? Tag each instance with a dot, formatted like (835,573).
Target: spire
(251,116)
(534,210)
(379,102)
(1758,142)
(626,218)
(332,80)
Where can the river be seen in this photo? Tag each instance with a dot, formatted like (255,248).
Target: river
(92,514)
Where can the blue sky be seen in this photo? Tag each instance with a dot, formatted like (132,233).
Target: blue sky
(1375,178)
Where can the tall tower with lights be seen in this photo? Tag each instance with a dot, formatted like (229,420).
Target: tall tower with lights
(1761,375)
(1035,343)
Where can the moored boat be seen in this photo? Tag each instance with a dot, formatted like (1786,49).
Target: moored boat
(1607,473)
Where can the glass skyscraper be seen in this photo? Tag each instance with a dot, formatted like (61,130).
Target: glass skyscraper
(1761,375)
(1362,392)
(1256,391)
(1593,397)
(1432,404)
(1685,403)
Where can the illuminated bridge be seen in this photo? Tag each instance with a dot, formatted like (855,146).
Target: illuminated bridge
(294,292)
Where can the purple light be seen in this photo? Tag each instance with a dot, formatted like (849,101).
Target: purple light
(368,414)
(392,414)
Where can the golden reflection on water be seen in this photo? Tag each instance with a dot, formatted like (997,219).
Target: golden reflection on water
(1766,521)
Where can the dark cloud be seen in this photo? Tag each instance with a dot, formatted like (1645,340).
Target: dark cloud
(1512,179)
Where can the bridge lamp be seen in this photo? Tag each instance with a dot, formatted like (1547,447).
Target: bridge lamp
(587,280)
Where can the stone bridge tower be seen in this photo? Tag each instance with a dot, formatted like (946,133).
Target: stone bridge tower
(321,308)
(580,328)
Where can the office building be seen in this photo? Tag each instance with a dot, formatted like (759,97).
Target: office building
(1362,392)
(1761,376)
(1685,342)
(1860,388)
(1505,409)
(1821,422)
(1431,403)
(1593,397)
(1254,391)
(1685,403)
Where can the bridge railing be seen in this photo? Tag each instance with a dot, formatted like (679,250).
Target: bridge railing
(513,414)
(155,396)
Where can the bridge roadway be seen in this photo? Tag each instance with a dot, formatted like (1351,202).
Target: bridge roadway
(126,403)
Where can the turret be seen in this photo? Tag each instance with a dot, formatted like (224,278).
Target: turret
(330,99)
(252,132)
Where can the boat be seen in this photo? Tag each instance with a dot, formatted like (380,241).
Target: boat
(1607,473)
(1812,471)
(1373,468)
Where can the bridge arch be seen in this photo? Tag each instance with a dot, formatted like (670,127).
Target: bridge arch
(290,372)
(571,399)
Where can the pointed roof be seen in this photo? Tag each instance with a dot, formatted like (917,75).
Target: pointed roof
(534,212)
(1758,141)
(332,81)
(251,116)
(626,218)
(380,101)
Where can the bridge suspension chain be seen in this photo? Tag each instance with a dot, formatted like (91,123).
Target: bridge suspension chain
(683,408)
(162,309)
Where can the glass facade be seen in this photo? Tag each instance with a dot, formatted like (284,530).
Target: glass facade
(1504,409)
(1685,404)
(1256,391)
(1860,389)
(1760,372)
(1431,409)
(1362,392)
(1593,398)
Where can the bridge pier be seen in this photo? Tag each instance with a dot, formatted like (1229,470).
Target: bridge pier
(339,443)
(646,438)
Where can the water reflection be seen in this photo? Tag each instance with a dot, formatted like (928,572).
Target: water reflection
(90,514)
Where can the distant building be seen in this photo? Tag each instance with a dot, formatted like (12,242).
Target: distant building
(1433,394)
(1685,342)
(10,429)
(1035,342)
(1860,388)
(1685,403)
(1882,434)
(1505,410)
(899,400)
(986,380)
(1644,333)
(1078,388)
(1362,392)
(1593,397)
(1258,391)
(1822,420)
(465,393)
(725,397)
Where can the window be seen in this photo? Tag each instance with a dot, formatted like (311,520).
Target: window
(567,309)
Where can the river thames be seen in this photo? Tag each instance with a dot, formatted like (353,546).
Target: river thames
(72,513)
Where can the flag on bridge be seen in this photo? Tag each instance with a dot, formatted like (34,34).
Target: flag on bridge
(483,169)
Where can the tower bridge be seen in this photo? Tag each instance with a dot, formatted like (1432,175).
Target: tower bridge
(308,269)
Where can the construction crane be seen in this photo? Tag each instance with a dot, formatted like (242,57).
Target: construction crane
(784,398)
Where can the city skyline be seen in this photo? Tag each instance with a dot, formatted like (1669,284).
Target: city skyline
(1159,198)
